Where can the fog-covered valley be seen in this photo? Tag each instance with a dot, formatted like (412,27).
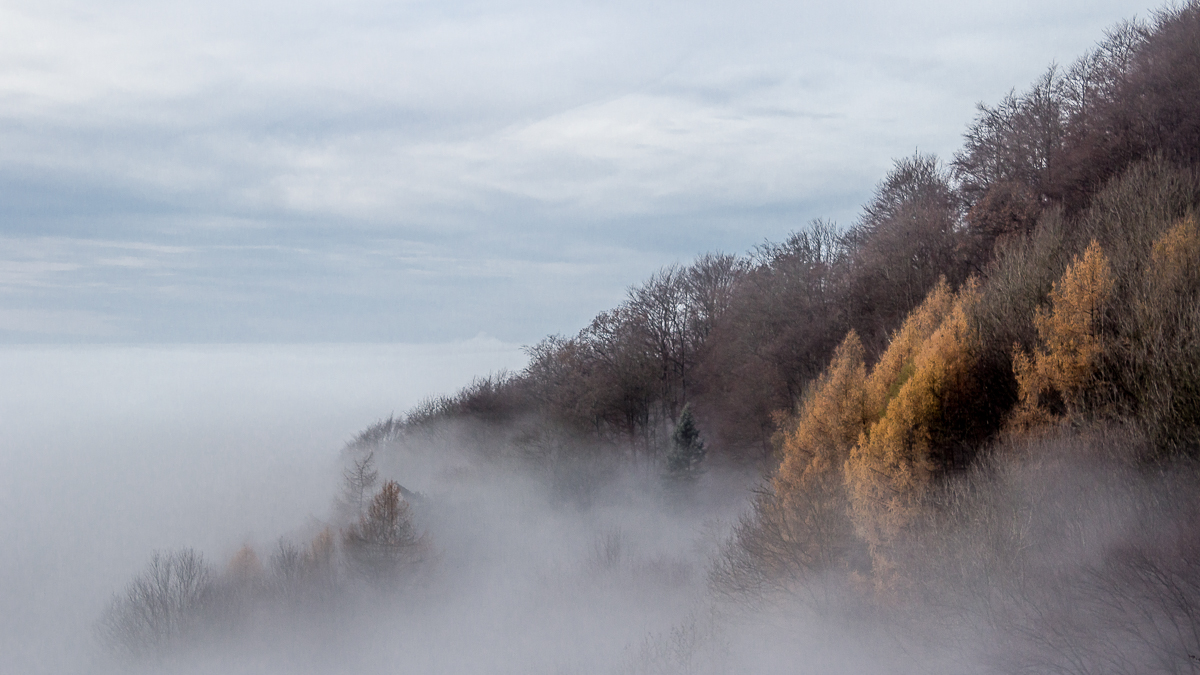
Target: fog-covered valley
(124,453)
(115,454)
(111,453)
(519,566)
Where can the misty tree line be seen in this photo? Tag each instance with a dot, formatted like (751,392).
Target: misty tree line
(742,338)
(373,546)
(978,405)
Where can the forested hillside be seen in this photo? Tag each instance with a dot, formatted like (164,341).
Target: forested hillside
(978,404)
(1102,152)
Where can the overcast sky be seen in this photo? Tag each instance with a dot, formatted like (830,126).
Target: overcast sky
(412,171)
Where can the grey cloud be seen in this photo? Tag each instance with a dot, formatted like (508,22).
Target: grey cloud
(514,130)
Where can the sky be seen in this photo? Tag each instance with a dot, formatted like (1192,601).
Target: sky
(358,171)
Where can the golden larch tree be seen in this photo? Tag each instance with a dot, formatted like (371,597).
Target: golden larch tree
(384,540)
(1160,357)
(245,566)
(810,504)
(1069,330)
(898,361)
(889,471)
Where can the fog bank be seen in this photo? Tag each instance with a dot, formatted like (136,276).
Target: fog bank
(111,452)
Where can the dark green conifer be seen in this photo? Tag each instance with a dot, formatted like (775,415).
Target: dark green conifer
(687,450)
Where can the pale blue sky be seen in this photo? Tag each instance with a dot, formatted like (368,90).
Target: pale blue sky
(261,171)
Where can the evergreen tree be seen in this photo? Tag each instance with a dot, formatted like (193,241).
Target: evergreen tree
(687,450)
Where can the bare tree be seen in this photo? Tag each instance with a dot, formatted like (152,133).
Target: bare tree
(661,314)
(1017,140)
(783,320)
(159,606)
(711,282)
(357,481)
(904,242)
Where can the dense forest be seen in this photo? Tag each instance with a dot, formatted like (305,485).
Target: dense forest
(974,412)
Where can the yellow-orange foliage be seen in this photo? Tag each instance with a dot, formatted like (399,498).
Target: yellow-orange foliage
(896,365)
(1161,339)
(245,564)
(811,507)
(829,421)
(890,470)
(1176,257)
(1069,331)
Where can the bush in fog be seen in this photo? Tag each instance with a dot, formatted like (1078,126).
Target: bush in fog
(1068,556)
(692,647)
(160,605)
(306,574)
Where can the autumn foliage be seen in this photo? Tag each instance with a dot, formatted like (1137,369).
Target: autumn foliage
(809,508)
(890,470)
(1072,343)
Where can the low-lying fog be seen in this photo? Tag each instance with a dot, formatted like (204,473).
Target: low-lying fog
(111,454)
(114,453)
(108,453)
